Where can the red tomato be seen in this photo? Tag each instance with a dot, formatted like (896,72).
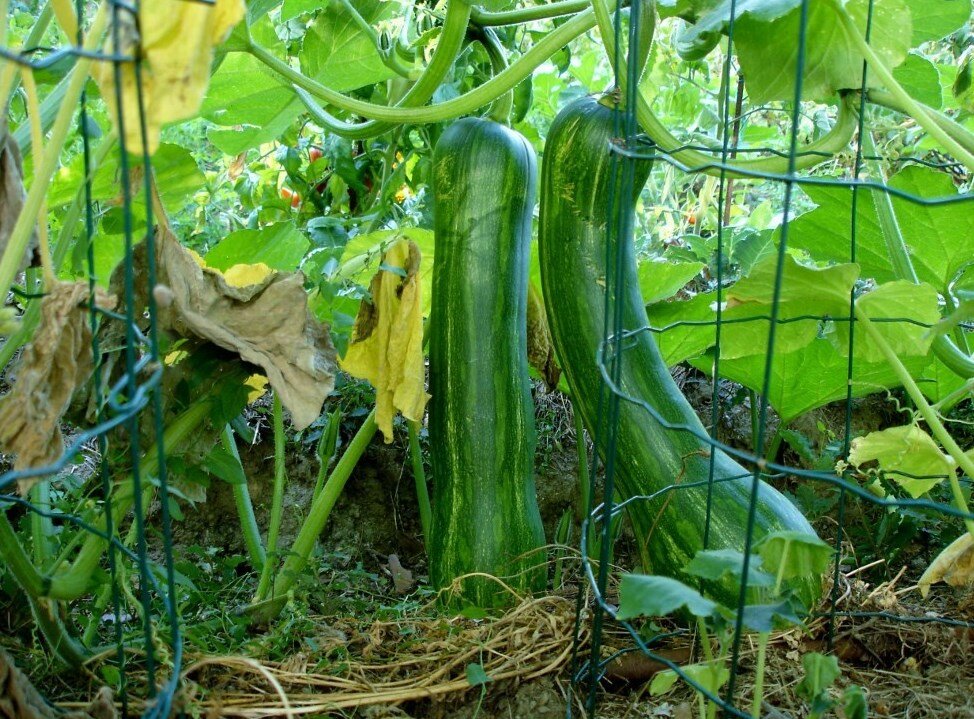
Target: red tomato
(314,153)
(289,195)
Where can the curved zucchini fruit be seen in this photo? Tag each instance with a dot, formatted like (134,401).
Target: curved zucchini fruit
(578,181)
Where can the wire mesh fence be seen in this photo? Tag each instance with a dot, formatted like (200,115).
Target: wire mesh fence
(124,531)
(131,621)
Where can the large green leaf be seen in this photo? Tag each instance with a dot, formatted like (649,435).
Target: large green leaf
(686,328)
(921,79)
(643,595)
(660,279)
(895,307)
(934,19)
(715,564)
(766,37)
(176,173)
(940,238)
(809,377)
(806,294)
(339,50)
(793,555)
(764,617)
(257,104)
(279,246)
(711,676)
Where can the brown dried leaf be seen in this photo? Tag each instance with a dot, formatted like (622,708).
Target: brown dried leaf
(268,324)
(954,565)
(541,350)
(20,700)
(53,366)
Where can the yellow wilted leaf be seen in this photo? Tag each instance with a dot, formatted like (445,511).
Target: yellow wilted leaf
(258,387)
(177,50)
(246,275)
(387,341)
(954,565)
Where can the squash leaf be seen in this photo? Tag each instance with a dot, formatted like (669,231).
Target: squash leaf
(908,455)
(387,342)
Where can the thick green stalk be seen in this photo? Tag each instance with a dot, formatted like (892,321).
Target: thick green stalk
(33,39)
(48,162)
(41,527)
(267,608)
(759,674)
(957,131)
(69,226)
(812,154)
(928,413)
(64,646)
(308,89)
(277,502)
(447,49)
(959,362)
(915,109)
(245,508)
(419,477)
(485,18)
(500,109)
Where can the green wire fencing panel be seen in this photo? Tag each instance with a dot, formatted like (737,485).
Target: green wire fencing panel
(862,288)
(97,573)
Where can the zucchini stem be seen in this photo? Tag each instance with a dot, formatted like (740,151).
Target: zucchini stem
(310,91)
(928,413)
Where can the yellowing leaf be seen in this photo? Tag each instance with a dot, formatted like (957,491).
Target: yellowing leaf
(908,455)
(954,565)
(387,342)
(258,385)
(177,50)
(197,257)
(246,275)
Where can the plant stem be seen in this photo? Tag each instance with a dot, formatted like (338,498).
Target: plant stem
(64,646)
(64,12)
(326,450)
(69,227)
(447,50)
(836,140)
(500,109)
(915,109)
(308,89)
(419,476)
(929,415)
(74,581)
(314,523)
(951,399)
(9,74)
(37,139)
(245,508)
(957,131)
(41,527)
(763,638)
(485,18)
(277,502)
(960,363)
(45,167)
